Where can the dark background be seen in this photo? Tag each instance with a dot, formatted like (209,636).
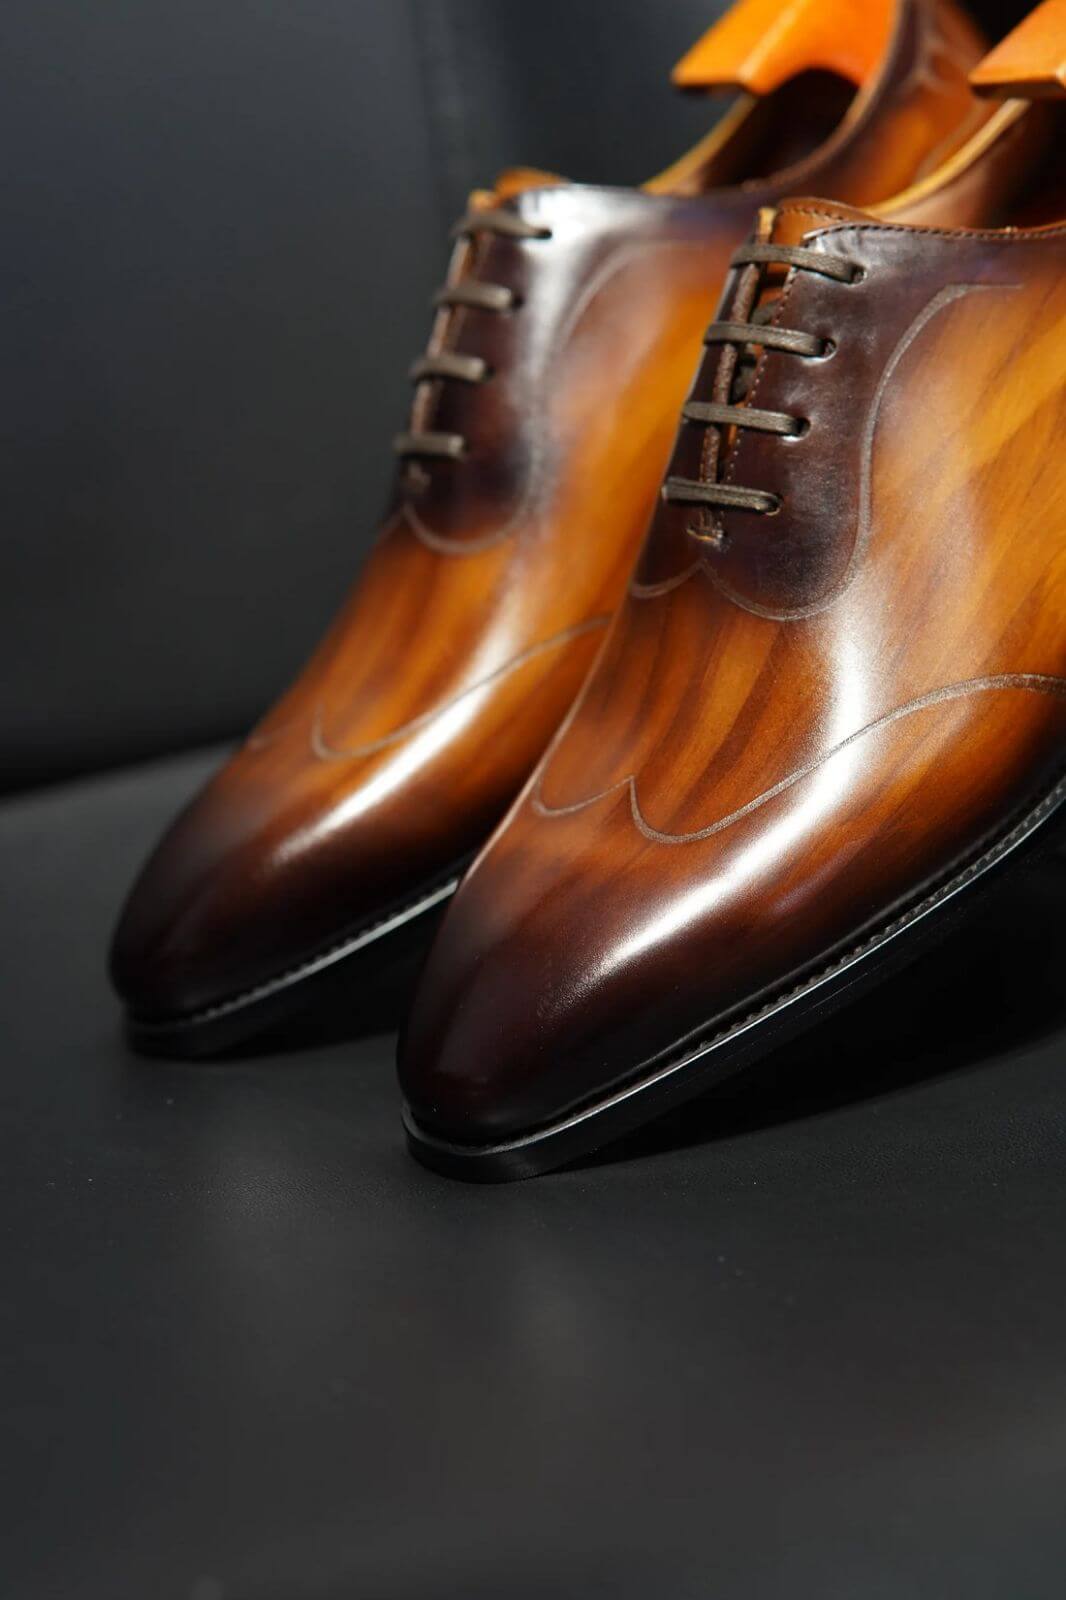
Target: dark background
(223,223)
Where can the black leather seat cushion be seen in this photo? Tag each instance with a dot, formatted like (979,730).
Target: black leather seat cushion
(799,1345)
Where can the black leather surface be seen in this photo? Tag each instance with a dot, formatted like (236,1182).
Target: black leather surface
(801,1344)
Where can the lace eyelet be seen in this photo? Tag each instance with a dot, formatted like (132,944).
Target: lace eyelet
(775,509)
(801,430)
(826,353)
(858,275)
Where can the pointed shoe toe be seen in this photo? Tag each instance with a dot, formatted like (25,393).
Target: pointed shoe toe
(260,897)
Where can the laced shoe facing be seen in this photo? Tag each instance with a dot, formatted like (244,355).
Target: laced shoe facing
(449,364)
(543,409)
(751,330)
(825,716)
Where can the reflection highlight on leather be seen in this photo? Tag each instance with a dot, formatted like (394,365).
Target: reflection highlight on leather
(324,750)
(1030,682)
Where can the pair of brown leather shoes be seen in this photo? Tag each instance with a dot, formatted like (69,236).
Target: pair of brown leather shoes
(832,699)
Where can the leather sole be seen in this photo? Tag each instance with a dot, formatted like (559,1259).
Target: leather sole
(371,953)
(691,1065)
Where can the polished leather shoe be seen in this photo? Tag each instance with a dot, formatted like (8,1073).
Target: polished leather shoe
(832,707)
(543,413)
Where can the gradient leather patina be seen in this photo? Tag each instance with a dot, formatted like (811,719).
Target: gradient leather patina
(798,730)
(491,587)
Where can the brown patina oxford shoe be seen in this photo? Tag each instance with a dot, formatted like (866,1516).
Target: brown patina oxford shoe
(832,707)
(543,413)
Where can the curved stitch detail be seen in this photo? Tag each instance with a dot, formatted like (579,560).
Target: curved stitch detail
(1002,236)
(323,750)
(1033,682)
(940,302)
(650,591)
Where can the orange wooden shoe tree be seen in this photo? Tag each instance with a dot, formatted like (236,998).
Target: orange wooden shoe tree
(760,44)
(1030,63)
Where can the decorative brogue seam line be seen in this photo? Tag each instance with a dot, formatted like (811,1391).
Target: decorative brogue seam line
(260,741)
(536,483)
(1031,682)
(941,300)
(443,545)
(652,591)
(944,298)
(324,750)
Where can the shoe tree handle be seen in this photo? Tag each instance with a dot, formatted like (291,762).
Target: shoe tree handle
(759,44)
(1030,63)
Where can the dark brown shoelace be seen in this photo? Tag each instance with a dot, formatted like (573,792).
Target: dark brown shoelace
(742,339)
(480,296)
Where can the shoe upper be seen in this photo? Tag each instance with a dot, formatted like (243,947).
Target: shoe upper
(814,706)
(543,413)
